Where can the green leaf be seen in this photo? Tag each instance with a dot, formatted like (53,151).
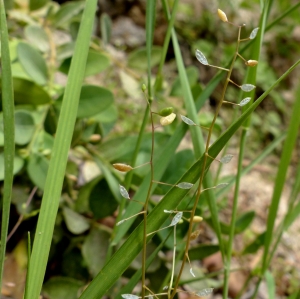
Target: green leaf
(256,244)
(33,63)
(62,287)
(96,63)
(37,36)
(270,285)
(102,201)
(94,250)
(66,12)
(24,127)
(138,58)
(93,100)
(76,223)
(18,164)
(27,92)
(109,115)
(37,169)
(36,4)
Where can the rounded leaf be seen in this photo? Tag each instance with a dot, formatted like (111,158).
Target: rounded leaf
(33,63)
(37,169)
(76,223)
(37,36)
(226,159)
(24,127)
(124,192)
(176,219)
(247,87)
(187,121)
(18,164)
(245,101)
(253,33)
(185,185)
(200,57)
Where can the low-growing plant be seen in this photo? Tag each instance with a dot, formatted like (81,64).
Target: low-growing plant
(60,140)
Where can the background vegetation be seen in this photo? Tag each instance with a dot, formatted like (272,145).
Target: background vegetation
(64,155)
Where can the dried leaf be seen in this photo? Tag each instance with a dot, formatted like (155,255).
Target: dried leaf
(205,292)
(122,167)
(195,234)
(191,271)
(187,121)
(200,57)
(164,121)
(124,192)
(222,185)
(176,219)
(222,15)
(253,33)
(247,87)
(129,296)
(245,101)
(185,185)
(226,159)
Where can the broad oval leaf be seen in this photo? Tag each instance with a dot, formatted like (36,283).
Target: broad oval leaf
(37,169)
(185,185)
(29,93)
(24,127)
(124,192)
(187,120)
(226,159)
(93,100)
(18,164)
(205,292)
(33,63)
(76,223)
(253,33)
(176,219)
(37,36)
(247,87)
(200,57)
(245,101)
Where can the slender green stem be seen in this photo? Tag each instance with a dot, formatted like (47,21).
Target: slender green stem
(203,170)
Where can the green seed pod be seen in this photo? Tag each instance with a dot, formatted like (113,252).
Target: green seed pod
(166,111)
(144,87)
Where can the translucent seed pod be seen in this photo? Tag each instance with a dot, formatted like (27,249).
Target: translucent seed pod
(245,101)
(222,185)
(251,63)
(167,120)
(191,271)
(205,292)
(222,15)
(187,120)
(253,33)
(129,296)
(176,219)
(185,185)
(226,159)
(166,111)
(201,57)
(247,87)
(122,167)
(124,192)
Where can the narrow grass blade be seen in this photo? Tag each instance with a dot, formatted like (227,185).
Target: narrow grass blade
(120,261)
(9,133)
(55,176)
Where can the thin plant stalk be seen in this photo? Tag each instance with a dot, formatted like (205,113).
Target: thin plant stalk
(206,157)
(9,133)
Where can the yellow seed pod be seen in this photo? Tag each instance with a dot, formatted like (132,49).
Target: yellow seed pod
(195,234)
(251,62)
(164,121)
(196,219)
(95,137)
(166,111)
(122,167)
(222,15)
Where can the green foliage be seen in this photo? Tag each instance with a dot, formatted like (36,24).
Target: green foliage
(78,107)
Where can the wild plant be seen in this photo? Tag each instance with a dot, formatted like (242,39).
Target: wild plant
(167,117)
